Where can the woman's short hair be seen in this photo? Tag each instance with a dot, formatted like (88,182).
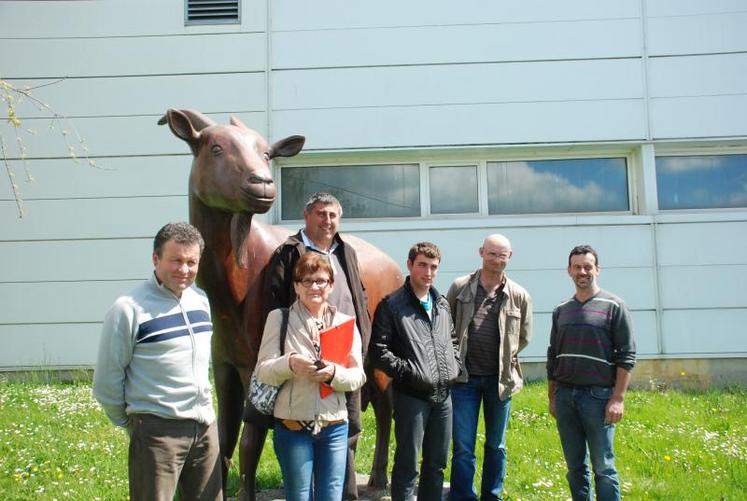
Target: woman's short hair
(310,263)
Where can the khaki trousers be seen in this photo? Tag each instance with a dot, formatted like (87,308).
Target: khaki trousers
(170,454)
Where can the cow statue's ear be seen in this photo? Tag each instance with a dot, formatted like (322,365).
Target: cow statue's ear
(288,147)
(181,125)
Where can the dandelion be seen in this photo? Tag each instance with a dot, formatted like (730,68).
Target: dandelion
(667,458)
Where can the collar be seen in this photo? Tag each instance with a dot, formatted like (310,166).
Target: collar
(162,288)
(310,245)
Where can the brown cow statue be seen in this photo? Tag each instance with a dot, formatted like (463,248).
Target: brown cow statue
(231,181)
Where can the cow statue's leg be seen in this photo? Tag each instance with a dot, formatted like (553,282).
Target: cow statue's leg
(382,406)
(230,392)
(250,450)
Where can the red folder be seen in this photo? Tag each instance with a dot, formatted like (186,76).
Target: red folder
(336,344)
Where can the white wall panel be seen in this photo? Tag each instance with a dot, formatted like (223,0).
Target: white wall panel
(699,117)
(76,260)
(117,136)
(49,345)
(109,18)
(537,248)
(697,34)
(335,14)
(659,8)
(705,331)
(455,84)
(149,95)
(697,286)
(677,244)
(456,44)
(74,219)
(464,124)
(60,302)
(698,75)
(112,177)
(157,55)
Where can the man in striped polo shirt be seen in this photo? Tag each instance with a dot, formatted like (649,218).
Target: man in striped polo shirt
(151,376)
(591,354)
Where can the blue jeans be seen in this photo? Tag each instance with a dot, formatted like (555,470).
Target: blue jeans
(580,418)
(302,456)
(467,399)
(420,424)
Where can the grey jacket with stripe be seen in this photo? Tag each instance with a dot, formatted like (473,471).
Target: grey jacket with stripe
(154,355)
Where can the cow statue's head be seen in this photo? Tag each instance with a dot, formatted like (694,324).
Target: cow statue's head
(231,167)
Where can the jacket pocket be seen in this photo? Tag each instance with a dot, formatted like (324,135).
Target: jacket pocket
(513,326)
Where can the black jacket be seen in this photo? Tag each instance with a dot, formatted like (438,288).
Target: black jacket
(420,354)
(278,284)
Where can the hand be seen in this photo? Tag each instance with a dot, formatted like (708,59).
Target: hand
(302,366)
(614,411)
(326,373)
(552,406)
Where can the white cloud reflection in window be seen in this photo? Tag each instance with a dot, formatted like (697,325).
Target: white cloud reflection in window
(552,186)
(702,182)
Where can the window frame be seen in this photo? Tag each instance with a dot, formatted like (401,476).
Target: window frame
(480,159)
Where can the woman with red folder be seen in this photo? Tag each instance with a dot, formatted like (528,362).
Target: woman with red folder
(310,432)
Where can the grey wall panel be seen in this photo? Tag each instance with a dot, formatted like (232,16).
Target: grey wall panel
(76,260)
(539,247)
(549,288)
(149,95)
(676,244)
(697,287)
(157,55)
(537,348)
(697,34)
(705,331)
(59,302)
(115,136)
(698,117)
(707,75)
(112,177)
(456,44)
(103,218)
(644,330)
(49,345)
(457,84)
(464,124)
(292,15)
(130,18)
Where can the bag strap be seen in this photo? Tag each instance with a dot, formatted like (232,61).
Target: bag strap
(283,329)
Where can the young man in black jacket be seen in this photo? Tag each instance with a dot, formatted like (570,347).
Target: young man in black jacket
(413,342)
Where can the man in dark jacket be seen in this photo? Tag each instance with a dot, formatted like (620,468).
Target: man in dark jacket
(322,217)
(413,341)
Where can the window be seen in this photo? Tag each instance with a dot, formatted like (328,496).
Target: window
(702,182)
(212,12)
(453,190)
(551,186)
(365,191)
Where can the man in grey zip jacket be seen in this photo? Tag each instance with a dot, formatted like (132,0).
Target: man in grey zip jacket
(493,319)
(152,375)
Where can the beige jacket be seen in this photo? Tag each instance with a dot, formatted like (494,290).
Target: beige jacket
(514,325)
(299,398)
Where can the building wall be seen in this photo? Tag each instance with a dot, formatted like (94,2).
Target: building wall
(426,82)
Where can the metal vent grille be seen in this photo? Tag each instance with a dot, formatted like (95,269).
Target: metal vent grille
(212,11)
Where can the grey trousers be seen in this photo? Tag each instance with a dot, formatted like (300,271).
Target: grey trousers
(170,454)
(420,425)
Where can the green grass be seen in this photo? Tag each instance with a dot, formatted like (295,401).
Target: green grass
(55,443)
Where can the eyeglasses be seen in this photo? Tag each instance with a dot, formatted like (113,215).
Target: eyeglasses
(319,282)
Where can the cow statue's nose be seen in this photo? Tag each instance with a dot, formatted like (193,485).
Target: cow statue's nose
(256,179)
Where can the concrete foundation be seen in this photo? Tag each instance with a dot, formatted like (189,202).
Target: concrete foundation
(680,373)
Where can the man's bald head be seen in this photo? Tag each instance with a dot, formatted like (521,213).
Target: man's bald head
(495,253)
